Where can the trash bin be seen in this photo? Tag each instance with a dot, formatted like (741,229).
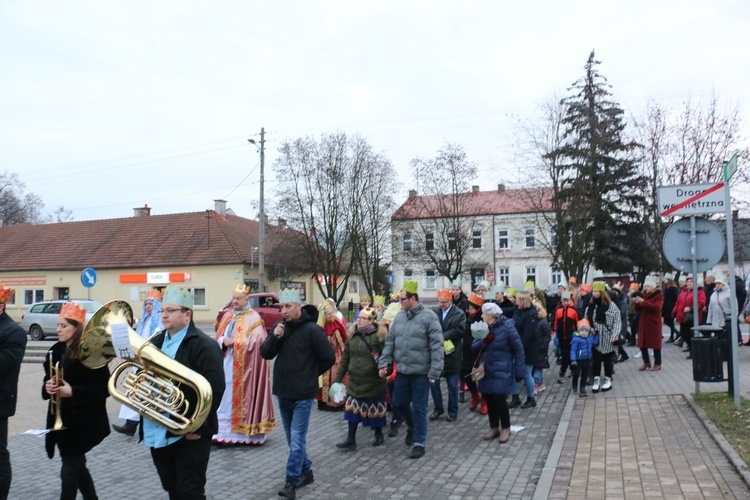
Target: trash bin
(717,332)
(707,363)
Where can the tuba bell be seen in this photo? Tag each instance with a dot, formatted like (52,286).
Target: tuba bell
(151,383)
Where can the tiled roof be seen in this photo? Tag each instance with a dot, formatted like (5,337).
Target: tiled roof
(508,201)
(188,239)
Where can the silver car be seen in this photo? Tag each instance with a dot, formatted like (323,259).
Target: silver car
(41,318)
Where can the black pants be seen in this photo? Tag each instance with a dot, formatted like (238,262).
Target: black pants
(565,355)
(686,332)
(182,467)
(497,410)
(75,476)
(606,359)
(669,321)
(464,376)
(582,369)
(647,360)
(5,471)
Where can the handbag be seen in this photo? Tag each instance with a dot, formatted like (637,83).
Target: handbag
(478,372)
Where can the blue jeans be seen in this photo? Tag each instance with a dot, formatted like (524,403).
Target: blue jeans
(528,379)
(437,394)
(295,415)
(410,396)
(538,374)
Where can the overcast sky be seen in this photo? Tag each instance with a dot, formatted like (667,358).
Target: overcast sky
(106,106)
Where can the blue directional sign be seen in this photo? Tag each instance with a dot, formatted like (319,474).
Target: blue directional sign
(88,277)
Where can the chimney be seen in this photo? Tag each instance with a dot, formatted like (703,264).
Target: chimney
(412,193)
(474,189)
(735,216)
(143,211)
(501,187)
(220,207)
(282,222)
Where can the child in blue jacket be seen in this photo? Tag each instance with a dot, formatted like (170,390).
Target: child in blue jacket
(581,353)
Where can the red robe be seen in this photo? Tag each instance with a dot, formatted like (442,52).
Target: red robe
(336,333)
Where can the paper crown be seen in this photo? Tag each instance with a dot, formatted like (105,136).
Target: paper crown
(497,289)
(71,310)
(511,291)
(183,297)
(456,282)
(445,295)
(410,286)
(634,287)
(529,285)
(154,295)
(379,299)
(393,309)
(485,284)
(364,298)
(669,276)
(599,286)
(289,295)
(572,280)
(327,304)
(566,295)
(476,300)
(585,288)
(651,280)
(5,294)
(584,323)
(368,313)
(242,288)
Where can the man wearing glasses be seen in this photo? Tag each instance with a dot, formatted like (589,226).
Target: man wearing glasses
(181,461)
(415,344)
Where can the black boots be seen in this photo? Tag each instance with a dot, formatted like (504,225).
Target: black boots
(350,443)
(378,437)
(515,402)
(530,403)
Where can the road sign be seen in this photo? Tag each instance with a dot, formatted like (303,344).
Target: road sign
(709,245)
(88,277)
(691,199)
(730,168)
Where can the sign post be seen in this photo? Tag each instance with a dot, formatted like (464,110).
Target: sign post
(730,168)
(88,279)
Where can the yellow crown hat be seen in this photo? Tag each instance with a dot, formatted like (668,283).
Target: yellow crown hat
(242,288)
(410,286)
(379,299)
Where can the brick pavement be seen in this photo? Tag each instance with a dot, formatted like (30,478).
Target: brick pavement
(669,455)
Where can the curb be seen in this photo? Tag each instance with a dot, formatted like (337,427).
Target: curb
(739,465)
(544,485)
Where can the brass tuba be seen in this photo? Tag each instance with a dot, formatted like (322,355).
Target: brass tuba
(152,383)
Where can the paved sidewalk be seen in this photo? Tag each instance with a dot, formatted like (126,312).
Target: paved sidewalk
(653,445)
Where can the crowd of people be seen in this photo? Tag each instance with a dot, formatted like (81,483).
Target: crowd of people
(493,344)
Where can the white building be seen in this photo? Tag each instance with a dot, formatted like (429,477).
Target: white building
(503,237)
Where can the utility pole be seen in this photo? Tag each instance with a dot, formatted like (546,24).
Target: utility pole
(262,215)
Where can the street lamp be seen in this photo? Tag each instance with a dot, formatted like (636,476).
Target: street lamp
(262,216)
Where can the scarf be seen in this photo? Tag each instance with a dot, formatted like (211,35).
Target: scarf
(229,332)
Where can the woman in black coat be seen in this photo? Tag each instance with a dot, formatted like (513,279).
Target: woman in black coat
(526,319)
(670,291)
(82,395)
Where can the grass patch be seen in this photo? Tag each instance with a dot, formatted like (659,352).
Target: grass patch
(732,423)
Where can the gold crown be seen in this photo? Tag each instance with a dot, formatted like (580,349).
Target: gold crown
(368,313)
(71,310)
(242,288)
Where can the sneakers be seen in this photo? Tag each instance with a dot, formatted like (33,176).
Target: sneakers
(530,403)
(417,452)
(596,384)
(561,379)
(409,439)
(539,388)
(288,491)
(638,355)
(606,384)
(393,429)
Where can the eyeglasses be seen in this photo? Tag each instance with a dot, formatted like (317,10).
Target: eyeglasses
(172,309)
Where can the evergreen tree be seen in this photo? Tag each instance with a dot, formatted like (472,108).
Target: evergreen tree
(599,189)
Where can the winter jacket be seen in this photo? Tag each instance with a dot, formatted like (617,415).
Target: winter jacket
(462,302)
(302,354)
(502,354)
(12,347)
(358,361)
(526,321)
(469,356)
(565,323)
(720,307)
(685,299)
(605,321)
(84,415)
(415,343)
(670,299)
(543,339)
(582,348)
(202,354)
(650,322)
(453,330)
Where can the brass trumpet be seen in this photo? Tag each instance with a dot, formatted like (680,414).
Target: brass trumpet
(152,383)
(55,406)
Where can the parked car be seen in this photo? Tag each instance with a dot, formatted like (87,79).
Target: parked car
(41,318)
(266,304)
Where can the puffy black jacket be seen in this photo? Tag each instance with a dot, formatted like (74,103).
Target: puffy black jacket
(12,347)
(453,330)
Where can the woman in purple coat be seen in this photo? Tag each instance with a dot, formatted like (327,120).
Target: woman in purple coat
(501,352)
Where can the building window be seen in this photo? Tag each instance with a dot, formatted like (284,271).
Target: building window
(408,275)
(476,238)
(556,274)
(503,239)
(503,275)
(429,241)
(429,280)
(452,243)
(530,233)
(477,276)
(553,238)
(531,273)
(31,296)
(353,286)
(407,242)
(200,296)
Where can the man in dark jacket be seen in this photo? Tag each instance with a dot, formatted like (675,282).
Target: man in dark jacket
(453,321)
(459,297)
(12,347)
(182,461)
(302,354)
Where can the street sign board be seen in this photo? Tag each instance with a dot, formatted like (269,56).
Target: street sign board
(691,199)
(88,277)
(730,168)
(709,245)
